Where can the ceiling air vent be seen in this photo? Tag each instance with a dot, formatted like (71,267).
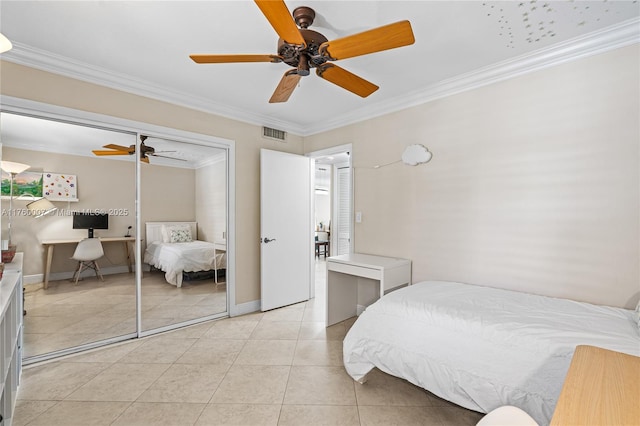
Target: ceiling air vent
(276,134)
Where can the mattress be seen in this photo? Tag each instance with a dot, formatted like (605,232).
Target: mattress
(176,258)
(482,347)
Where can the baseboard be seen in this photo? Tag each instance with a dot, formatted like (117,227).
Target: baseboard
(244,308)
(38,278)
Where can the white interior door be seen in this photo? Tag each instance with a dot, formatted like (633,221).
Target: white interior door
(286,224)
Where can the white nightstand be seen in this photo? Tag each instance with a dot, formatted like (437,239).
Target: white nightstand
(348,274)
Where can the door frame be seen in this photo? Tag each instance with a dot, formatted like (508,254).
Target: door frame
(338,149)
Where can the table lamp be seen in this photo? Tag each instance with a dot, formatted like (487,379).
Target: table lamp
(41,207)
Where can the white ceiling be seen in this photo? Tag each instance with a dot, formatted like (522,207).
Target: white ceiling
(143,47)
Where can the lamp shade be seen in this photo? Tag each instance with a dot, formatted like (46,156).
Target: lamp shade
(5,44)
(11,167)
(41,207)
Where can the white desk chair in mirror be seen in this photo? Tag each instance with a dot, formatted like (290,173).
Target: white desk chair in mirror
(87,253)
(507,415)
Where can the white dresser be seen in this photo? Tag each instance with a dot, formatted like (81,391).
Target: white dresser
(10,337)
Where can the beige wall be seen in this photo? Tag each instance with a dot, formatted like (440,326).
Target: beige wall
(103,184)
(211,200)
(32,84)
(534,183)
(167,194)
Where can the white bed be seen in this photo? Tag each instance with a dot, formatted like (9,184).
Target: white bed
(481,347)
(174,258)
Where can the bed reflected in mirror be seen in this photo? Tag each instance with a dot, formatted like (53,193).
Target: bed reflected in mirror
(184,240)
(179,182)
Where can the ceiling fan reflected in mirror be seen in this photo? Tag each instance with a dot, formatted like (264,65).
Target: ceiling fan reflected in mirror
(303,49)
(145,151)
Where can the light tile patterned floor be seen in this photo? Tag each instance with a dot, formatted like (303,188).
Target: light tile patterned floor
(281,367)
(67,315)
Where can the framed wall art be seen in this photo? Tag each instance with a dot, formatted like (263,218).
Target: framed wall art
(24,183)
(59,186)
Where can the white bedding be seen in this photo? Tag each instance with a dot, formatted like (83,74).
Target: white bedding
(175,258)
(481,347)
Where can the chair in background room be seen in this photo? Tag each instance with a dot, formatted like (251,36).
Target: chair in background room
(324,244)
(87,253)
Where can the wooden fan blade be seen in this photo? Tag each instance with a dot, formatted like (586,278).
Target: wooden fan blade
(120,147)
(222,59)
(375,40)
(281,20)
(145,159)
(285,88)
(110,152)
(346,80)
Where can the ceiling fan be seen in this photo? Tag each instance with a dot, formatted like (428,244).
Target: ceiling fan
(302,49)
(145,151)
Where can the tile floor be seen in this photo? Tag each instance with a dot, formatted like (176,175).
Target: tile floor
(66,315)
(281,367)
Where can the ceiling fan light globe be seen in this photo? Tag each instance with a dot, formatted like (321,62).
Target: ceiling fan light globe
(5,44)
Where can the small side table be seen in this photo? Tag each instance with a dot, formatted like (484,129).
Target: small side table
(346,273)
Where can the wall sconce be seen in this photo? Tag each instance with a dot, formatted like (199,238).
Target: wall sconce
(41,207)
(416,154)
(412,156)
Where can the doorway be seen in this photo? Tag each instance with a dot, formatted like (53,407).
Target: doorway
(333,196)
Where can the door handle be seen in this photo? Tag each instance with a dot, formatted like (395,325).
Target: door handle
(267,240)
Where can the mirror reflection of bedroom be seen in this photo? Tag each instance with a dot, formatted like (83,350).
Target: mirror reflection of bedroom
(184,219)
(183,185)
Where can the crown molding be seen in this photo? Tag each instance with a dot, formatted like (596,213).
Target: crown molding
(613,37)
(610,38)
(26,55)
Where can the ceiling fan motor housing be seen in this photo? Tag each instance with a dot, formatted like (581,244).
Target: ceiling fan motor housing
(308,57)
(291,53)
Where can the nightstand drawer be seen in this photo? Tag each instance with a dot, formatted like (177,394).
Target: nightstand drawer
(359,271)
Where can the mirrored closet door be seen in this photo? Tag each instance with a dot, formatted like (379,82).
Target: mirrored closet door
(65,194)
(144,219)
(183,216)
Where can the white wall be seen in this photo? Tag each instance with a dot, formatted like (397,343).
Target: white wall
(534,183)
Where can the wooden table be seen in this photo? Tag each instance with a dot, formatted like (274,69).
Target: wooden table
(602,387)
(50,245)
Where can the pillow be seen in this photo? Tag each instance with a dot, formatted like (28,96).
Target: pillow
(181,235)
(165,230)
(638,313)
